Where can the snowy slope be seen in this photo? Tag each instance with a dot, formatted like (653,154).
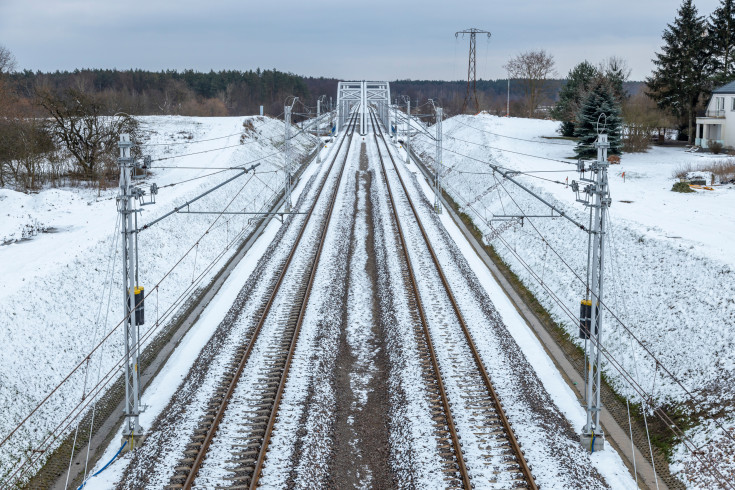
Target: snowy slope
(54,303)
(669,273)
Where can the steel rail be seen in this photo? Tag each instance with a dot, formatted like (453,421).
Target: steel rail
(425,326)
(199,459)
(520,457)
(302,311)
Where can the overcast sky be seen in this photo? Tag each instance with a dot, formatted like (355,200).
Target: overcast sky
(380,40)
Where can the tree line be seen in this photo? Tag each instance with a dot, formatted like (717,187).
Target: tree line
(170,92)
(60,128)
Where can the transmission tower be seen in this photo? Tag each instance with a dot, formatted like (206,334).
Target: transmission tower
(472,66)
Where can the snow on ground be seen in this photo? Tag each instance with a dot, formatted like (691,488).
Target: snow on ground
(55,260)
(669,270)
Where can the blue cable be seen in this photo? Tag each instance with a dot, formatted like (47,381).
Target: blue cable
(105,466)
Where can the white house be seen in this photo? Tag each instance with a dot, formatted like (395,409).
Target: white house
(718,123)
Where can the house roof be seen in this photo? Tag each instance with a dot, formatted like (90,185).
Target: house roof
(728,88)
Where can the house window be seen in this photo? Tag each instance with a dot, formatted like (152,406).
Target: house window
(719,103)
(732,99)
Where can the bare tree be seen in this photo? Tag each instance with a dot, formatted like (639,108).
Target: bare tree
(82,124)
(533,69)
(643,120)
(7,60)
(7,64)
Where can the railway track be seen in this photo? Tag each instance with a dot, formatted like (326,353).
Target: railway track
(250,414)
(489,455)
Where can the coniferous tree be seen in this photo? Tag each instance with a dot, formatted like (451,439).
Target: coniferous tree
(721,32)
(600,99)
(616,70)
(570,95)
(680,77)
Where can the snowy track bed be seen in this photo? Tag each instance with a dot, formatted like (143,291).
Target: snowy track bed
(215,434)
(485,440)
(549,442)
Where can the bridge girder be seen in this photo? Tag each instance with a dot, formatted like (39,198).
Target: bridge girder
(361,95)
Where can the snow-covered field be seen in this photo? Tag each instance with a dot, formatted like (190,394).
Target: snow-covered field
(58,277)
(669,269)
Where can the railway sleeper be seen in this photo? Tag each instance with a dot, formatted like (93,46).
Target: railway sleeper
(242,478)
(254,445)
(244,463)
(247,454)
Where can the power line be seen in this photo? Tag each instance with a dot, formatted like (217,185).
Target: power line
(510,137)
(29,462)
(627,329)
(691,396)
(525,172)
(191,142)
(5,439)
(221,171)
(107,336)
(613,361)
(203,151)
(512,151)
(506,168)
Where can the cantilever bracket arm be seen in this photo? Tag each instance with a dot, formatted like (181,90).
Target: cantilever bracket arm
(186,204)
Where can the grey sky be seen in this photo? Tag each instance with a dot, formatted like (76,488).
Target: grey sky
(381,39)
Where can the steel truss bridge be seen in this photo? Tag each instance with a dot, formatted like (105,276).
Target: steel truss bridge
(361,96)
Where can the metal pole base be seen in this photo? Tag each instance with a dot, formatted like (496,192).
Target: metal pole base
(586,440)
(133,442)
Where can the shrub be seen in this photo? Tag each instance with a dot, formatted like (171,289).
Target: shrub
(682,171)
(681,187)
(716,147)
(724,170)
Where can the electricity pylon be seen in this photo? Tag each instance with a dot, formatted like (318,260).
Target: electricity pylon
(472,66)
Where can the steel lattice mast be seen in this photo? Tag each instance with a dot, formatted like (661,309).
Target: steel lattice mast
(472,66)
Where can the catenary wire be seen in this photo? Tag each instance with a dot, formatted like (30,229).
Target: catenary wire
(190,142)
(510,137)
(612,313)
(42,402)
(223,170)
(510,151)
(613,361)
(30,463)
